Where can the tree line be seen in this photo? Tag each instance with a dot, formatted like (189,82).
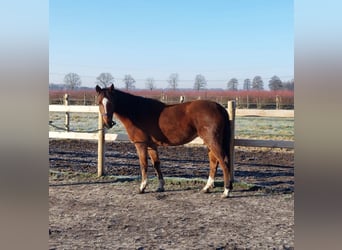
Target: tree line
(73,81)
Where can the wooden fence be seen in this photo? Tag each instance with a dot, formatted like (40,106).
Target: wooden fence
(101,136)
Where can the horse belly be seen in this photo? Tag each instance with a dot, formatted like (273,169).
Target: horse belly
(177,123)
(177,134)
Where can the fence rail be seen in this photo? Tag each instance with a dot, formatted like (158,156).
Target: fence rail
(265,112)
(101,136)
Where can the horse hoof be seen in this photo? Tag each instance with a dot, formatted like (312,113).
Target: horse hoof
(205,191)
(141,191)
(225,195)
(159,190)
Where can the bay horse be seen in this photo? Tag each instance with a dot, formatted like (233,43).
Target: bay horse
(150,123)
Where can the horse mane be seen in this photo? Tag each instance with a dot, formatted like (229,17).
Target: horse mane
(133,106)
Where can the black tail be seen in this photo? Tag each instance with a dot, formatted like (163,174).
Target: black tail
(227,139)
(226,133)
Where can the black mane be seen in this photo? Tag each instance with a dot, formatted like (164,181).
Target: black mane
(134,106)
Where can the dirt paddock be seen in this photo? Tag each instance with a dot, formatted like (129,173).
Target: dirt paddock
(87,212)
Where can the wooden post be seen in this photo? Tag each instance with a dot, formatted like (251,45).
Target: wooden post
(231,113)
(247,100)
(67,116)
(277,102)
(100,148)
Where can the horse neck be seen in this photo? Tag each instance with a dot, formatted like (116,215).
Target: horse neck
(123,102)
(130,105)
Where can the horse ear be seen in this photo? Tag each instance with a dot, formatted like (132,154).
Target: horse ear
(111,88)
(98,89)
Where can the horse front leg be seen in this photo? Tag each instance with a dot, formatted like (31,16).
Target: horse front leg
(142,153)
(156,165)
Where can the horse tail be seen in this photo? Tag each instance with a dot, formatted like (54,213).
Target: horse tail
(226,141)
(226,133)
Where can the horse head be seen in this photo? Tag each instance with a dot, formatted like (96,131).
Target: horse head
(106,105)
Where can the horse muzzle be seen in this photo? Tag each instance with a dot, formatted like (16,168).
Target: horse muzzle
(109,124)
(107,121)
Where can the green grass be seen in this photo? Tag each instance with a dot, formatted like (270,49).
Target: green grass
(171,183)
(271,128)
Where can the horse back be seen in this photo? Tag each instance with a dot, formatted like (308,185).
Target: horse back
(182,123)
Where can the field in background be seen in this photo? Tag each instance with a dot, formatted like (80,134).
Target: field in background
(271,128)
(244,99)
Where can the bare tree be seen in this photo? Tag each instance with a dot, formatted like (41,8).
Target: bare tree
(150,83)
(173,81)
(129,82)
(233,84)
(275,83)
(104,79)
(289,85)
(72,80)
(257,83)
(200,82)
(247,84)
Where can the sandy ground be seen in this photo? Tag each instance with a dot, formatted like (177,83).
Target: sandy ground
(108,213)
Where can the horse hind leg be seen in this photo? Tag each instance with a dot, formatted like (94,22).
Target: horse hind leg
(222,159)
(213,163)
(228,185)
(153,153)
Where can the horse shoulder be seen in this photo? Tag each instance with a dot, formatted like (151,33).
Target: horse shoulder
(128,124)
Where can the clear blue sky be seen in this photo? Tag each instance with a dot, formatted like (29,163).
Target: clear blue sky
(219,39)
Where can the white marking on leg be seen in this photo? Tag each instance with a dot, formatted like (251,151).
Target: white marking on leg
(225,192)
(143,185)
(209,184)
